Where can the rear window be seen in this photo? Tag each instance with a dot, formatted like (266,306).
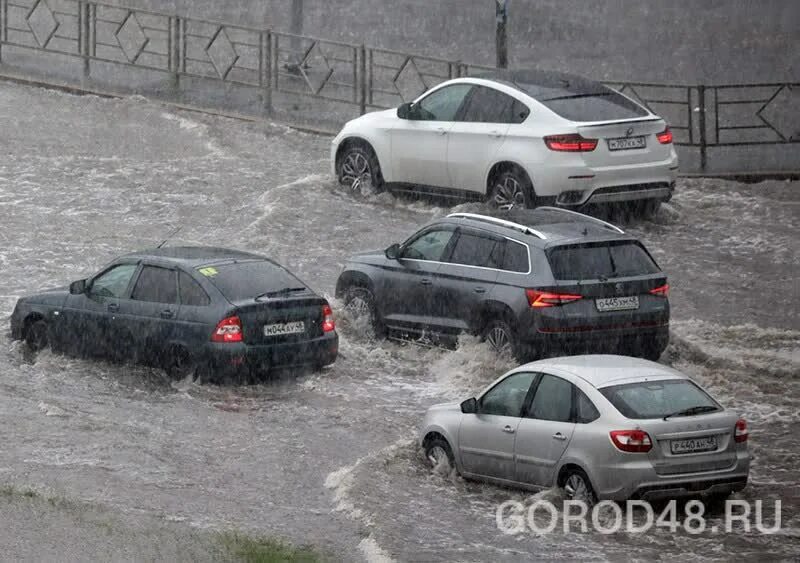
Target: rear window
(601,261)
(247,280)
(657,399)
(594,106)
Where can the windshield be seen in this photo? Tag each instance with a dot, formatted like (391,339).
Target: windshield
(617,259)
(248,280)
(657,399)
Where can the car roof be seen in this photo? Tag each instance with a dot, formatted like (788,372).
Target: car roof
(600,370)
(541,84)
(543,226)
(193,256)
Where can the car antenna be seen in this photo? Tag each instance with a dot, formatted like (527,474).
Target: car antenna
(169,236)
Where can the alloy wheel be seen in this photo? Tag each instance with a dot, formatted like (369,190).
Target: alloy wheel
(508,193)
(356,171)
(499,340)
(577,489)
(437,457)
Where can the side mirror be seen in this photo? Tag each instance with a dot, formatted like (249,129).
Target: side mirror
(470,406)
(404,111)
(77,287)
(393,252)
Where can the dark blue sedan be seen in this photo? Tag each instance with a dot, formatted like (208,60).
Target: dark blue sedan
(209,312)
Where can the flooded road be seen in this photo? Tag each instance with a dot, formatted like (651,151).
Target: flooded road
(329,458)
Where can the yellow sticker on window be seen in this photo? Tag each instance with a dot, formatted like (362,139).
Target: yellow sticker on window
(208,272)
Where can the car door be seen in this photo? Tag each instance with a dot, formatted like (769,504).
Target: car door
(90,315)
(467,278)
(195,316)
(474,141)
(486,438)
(146,321)
(419,144)
(407,294)
(544,430)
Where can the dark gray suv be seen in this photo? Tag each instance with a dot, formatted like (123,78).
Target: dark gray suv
(532,282)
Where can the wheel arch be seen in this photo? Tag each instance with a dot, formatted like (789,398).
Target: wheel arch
(352,278)
(29,319)
(354,140)
(502,166)
(434,432)
(571,464)
(489,311)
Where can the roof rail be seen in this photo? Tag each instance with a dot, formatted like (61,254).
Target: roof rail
(502,222)
(589,217)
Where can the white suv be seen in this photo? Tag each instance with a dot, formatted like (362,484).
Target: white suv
(517,138)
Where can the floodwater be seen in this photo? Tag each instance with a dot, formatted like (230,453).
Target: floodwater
(329,458)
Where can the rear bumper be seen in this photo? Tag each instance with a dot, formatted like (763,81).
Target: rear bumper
(579,340)
(572,182)
(638,479)
(231,358)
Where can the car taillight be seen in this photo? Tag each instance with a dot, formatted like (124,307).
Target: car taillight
(570,143)
(328,322)
(665,137)
(538,298)
(661,291)
(228,330)
(740,432)
(637,441)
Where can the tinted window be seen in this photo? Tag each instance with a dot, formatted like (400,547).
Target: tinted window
(114,282)
(553,400)
(604,260)
(585,411)
(157,285)
(191,292)
(476,250)
(429,246)
(443,104)
(487,105)
(507,397)
(250,279)
(657,399)
(595,107)
(516,257)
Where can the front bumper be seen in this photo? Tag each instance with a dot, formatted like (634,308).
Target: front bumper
(233,358)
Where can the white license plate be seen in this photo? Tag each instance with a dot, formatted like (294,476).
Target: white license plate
(280,329)
(627,143)
(617,303)
(693,445)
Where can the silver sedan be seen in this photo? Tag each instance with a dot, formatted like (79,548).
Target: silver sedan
(602,427)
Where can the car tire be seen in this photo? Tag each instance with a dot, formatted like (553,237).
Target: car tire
(578,487)
(511,188)
(36,336)
(180,364)
(502,338)
(357,165)
(438,452)
(651,350)
(361,301)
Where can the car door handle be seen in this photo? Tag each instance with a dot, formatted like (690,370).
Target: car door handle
(426,281)
(166,314)
(495,134)
(441,131)
(113,307)
(479,290)
(508,429)
(559,436)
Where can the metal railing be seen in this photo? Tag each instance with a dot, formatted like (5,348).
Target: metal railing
(367,77)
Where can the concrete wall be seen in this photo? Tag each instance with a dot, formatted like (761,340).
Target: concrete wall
(658,40)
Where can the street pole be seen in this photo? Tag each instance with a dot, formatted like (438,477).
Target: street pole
(501,37)
(296,28)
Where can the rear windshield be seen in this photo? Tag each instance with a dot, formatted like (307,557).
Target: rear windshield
(657,399)
(606,260)
(251,279)
(594,106)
